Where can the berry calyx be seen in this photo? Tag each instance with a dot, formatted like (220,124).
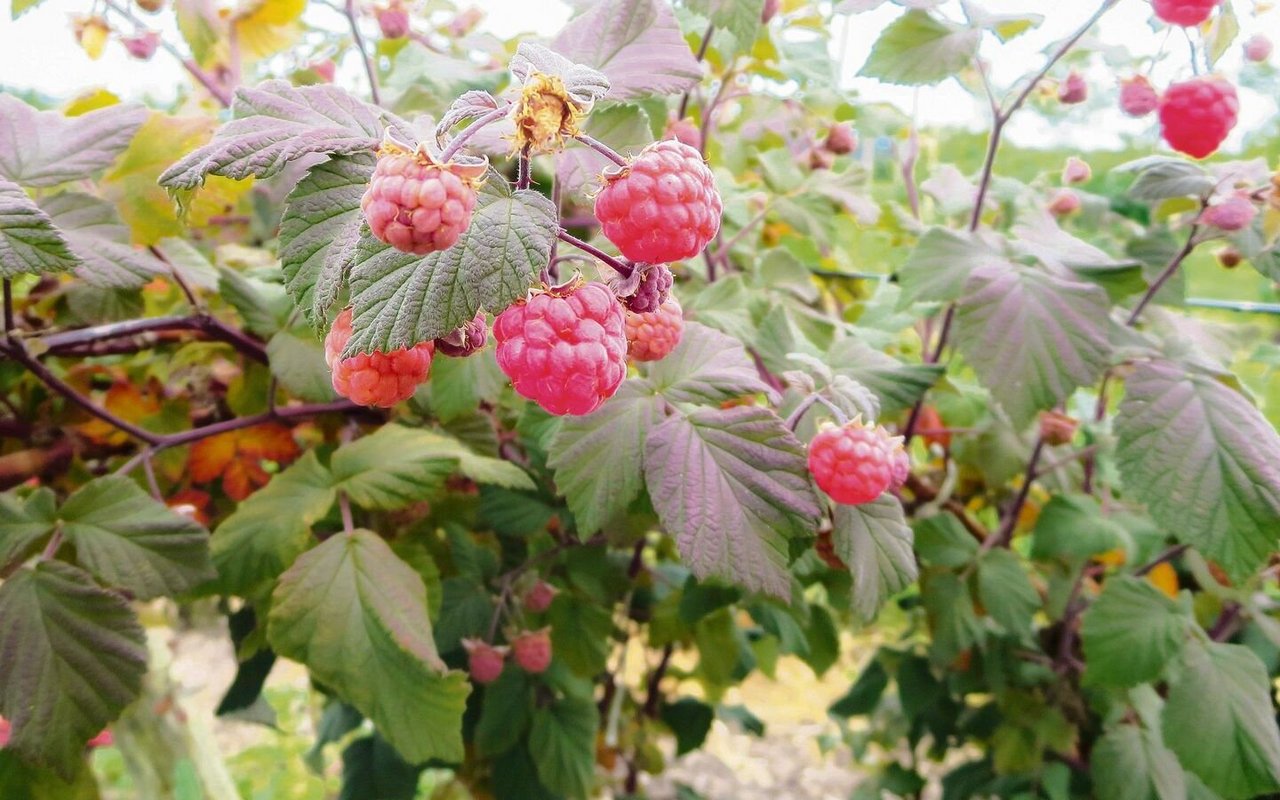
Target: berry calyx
(564,348)
(652,336)
(1186,13)
(1073,90)
(1057,428)
(1233,214)
(1138,97)
(853,463)
(1197,115)
(653,290)
(663,206)
(538,598)
(417,205)
(1258,48)
(532,650)
(374,379)
(465,341)
(484,661)
(1229,257)
(841,139)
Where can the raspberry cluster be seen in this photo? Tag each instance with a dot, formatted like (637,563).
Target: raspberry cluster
(854,463)
(565,349)
(374,379)
(1186,13)
(663,206)
(1197,115)
(416,205)
(652,336)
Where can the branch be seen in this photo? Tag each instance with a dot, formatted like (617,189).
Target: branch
(216,89)
(927,493)
(456,142)
(1167,556)
(1168,273)
(702,53)
(8,306)
(622,269)
(1028,478)
(210,326)
(349,10)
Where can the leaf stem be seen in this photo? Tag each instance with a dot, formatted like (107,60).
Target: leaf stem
(622,269)
(1165,557)
(8,306)
(1011,518)
(344,507)
(456,143)
(702,53)
(523,169)
(349,10)
(1054,466)
(215,89)
(1164,277)
(602,148)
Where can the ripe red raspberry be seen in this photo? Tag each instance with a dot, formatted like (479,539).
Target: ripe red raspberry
(852,463)
(1258,48)
(652,336)
(901,468)
(1073,89)
(374,379)
(1138,97)
(564,349)
(141,46)
(1233,214)
(1064,202)
(484,661)
(416,205)
(538,598)
(653,291)
(1184,12)
(826,550)
(663,207)
(1197,115)
(683,130)
(532,650)
(841,139)
(465,341)
(393,21)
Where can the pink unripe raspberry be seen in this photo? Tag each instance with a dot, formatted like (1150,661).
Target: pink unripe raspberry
(1073,89)
(769,11)
(465,341)
(103,739)
(1076,171)
(538,598)
(532,650)
(393,21)
(565,349)
(484,661)
(374,379)
(141,46)
(1233,214)
(841,139)
(652,336)
(1138,97)
(853,463)
(4,732)
(1197,115)
(654,288)
(1186,13)
(1257,48)
(684,131)
(901,468)
(326,69)
(1064,202)
(662,207)
(416,205)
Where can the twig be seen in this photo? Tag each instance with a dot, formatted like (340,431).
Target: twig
(458,141)
(72,340)
(217,90)
(55,541)
(149,470)
(1054,466)
(702,53)
(602,148)
(344,507)
(1028,478)
(8,306)
(927,493)
(1168,555)
(1168,272)
(1099,414)
(1225,626)
(622,269)
(350,11)
(724,249)
(523,169)
(177,277)
(652,697)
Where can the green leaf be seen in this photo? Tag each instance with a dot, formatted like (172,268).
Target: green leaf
(940,263)
(706,367)
(1161,177)
(636,43)
(20,7)
(599,458)
(731,486)
(129,540)
(100,242)
(1203,459)
(942,541)
(356,615)
(47,148)
(581,634)
(741,18)
(562,744)
(371,768)
(505,715)
(864,695)
(28,240)
(264,306)
(24,525)
(690,720)
(1130,633)
(22,781)
(72,655)
(399,299)
(392,467)
(269,530)
(1131,763)
(1219,719)
(1032,336)
(1072,525)
(898,385)
(298,363)
(458,385)
(874,541)
(918,49)
(951,614)
(1006,592)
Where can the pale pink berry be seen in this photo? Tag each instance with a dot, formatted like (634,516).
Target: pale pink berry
(1257,48)
(484,661)
(1064,202)
(1232,214)
(1138,97)
(1076,171)
(1073,89)
(538,598)
(532,650)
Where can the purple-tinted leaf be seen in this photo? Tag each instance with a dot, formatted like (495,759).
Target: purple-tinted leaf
(731,485)
(1162,177)
(898,385)
(1032,336)
(637,44)
(1204,460)
(471,104)
(45,148)
(940,263)
(873,539)
(28,240)
(101,243)
(320,231)
(706,367)
(583,84)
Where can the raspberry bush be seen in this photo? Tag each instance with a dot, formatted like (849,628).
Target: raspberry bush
(543,399)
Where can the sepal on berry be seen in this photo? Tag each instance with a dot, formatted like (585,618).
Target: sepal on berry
(467,340)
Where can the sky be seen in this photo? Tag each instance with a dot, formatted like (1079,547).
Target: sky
(38,52)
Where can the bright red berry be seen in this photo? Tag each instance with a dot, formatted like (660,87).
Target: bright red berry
(663,207)
(1138,97)
(532,650)
(652,336)
(1064,202)
(141,46)
(1197,115)
(484,661)
(1233,214)
(1073,89)
(852,463)
(565,349)
(538,598)
(465,341)
(374,379)
(841,139)
(683,130)
(416,205)
(4,732)
(1257,48)
(1186,13)
(653,291)
(393,21)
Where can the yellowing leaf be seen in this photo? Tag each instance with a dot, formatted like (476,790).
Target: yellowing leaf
(237,456)
(1165,578)
(92,34)
(269,26)
(127,401)
(92,101)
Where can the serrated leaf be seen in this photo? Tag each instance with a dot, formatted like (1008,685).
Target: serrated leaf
(952,618)
(1163,177)
(939,265)
(582,84)
(72,656)
(918,49)
(1130,633)
(28,240)
(189,263)
(392,467)
(1006,592)
(25,525)
(131,541)
(874,541)
(298,363)
(399,299)
(1072,525)
(898,385)
(356,615)
(1032,336)
(690,720)
(637,44)
(1203,459)
(459,385)
(320,230)
(100,242)
(372,768)
(581,634)
(741,18)
(706,367)
(1131,763)
(45,148)
(561,742)
(275,123)
(505,713)
(865,693)
(599,458)
(1218,718)
(731,486)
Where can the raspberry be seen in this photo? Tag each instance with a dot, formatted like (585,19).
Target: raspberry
(374,379)
(1073,90)
(416,205)
(684,131)
(852,463)
(538,598)
(532,650)
(932,429)
(564,349)
(652,336)
(1258,48)
(826,550)
(141,46)
(393,21)
(901,468)
(841,139)
(1138,97)
(1196,115)
(325,70)
(1230,257)
(653,291)
(770,9)
(484,661)
(1064,202)
(1233,214)
(103,739)
(1057,428)
(1076,171)
(663,207)
(1186,13)
(465,341)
